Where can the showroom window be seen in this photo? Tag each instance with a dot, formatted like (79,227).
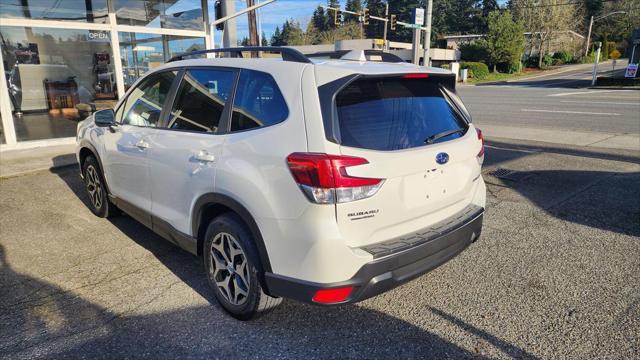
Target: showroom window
(91,11)
(143,52)
(166,14)
(55,78)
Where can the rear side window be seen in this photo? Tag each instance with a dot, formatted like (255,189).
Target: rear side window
(258,102)
(201,99)
(144,103)
(395,113)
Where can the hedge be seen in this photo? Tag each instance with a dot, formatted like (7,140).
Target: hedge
(477,70)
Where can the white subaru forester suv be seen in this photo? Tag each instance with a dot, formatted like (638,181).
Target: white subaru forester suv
(317,179)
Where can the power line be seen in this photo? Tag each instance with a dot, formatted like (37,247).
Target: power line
(560,4)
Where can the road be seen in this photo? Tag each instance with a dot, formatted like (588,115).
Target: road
(556,102)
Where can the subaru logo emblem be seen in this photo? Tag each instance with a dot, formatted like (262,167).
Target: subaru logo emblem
(442,158)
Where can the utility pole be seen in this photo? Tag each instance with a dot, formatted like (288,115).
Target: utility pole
(586,50)
(595,66)
(427,36)
(253,27)
(386,16)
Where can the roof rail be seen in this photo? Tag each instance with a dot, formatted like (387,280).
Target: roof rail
(338,54)
(288,54)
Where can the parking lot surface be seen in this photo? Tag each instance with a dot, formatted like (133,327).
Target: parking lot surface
(556,274)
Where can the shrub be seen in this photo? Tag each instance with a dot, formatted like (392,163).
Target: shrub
(564,56)
(477,70)
(474,51)
(547,60)
(445,66)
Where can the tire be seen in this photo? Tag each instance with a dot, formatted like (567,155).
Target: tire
(234,270)
(96,189)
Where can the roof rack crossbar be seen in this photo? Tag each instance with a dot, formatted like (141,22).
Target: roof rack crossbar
(288,54)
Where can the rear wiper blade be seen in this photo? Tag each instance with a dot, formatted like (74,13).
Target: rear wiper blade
(435,137)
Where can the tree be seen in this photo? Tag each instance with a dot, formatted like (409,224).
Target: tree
(355,6)
(319,18)
(330,23)
(488,6)
(545,19)
(505,39)
(375,29)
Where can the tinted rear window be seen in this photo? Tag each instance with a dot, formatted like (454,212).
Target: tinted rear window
(394,113)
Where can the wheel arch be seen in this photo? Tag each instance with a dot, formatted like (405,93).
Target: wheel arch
(86,150)
(210,205)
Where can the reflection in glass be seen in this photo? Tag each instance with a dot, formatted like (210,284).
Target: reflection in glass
(91,11)
(143,52)
(166,14)
(200,100)
(56,77)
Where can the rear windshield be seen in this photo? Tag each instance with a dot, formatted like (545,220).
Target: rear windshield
(396,113)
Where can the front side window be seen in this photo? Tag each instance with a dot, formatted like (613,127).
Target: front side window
(201,99)
(258,102)
(396,113)
(144,104)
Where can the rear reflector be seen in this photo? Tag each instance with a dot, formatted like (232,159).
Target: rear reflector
(416,76)
(332,296)
(481,153)
(321,176)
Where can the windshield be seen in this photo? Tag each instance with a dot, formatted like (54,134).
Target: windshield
(393,113)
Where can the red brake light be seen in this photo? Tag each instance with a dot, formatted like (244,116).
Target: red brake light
(416,76)
(326,171)
(332,296)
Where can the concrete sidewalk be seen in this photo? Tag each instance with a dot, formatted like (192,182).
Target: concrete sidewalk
(23,162)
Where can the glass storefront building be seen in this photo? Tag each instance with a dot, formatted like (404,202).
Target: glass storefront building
(63,59)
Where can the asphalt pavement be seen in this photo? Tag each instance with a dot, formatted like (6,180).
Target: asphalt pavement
(556,101)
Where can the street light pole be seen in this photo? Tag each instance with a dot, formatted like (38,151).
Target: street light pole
(427,35)
(586,51)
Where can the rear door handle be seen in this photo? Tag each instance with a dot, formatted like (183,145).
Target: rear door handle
(142,145)
(204,156)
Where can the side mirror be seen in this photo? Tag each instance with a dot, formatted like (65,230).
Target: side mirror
(105,117)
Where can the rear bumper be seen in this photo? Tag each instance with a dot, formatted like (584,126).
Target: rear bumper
(395,262)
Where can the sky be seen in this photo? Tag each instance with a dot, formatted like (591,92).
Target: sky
(271,15)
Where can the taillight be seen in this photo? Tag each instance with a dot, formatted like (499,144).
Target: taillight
(481,153)
(324,180)
(416,76)
(332,296)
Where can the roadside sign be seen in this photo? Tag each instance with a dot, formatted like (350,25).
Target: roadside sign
(417,16)
(632,70)
(413,26)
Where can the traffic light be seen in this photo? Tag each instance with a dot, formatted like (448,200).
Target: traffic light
(365,16)
(394,22)
(217,6)
(337,17)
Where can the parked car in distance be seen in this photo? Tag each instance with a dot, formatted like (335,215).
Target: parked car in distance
(326,181)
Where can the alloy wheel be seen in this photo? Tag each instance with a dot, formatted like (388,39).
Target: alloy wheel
(229,269)
(94,187)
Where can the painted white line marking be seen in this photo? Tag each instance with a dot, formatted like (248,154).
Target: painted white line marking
(569,112)
(600,102)
(587,92)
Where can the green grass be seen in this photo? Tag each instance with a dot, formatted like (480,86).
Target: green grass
(494,77)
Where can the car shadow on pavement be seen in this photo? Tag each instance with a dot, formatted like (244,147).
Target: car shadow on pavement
(292,330)
(39,319)
(605,200)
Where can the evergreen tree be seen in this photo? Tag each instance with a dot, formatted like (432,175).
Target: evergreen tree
(319,18)
(276,38)
(355,6)
(488,6)
(505,40)
(330,23)
(375,29)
